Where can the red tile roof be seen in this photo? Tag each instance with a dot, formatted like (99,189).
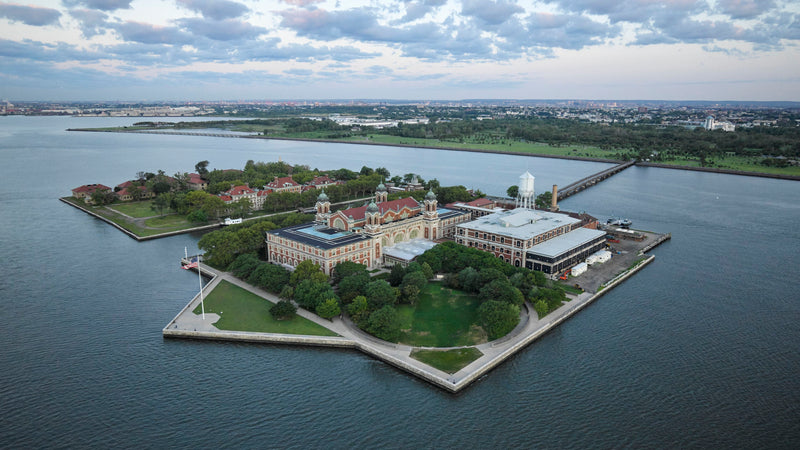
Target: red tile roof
(383,207)
(196,179)
(480,202)
(282,182)
(89,188)
(240,190)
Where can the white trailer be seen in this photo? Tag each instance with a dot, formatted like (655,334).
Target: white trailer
(579,269)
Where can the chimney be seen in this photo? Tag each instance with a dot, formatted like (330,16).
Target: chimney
(554,203)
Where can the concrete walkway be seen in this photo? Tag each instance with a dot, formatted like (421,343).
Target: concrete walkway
(189,325)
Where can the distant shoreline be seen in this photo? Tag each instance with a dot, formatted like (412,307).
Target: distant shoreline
(459,149)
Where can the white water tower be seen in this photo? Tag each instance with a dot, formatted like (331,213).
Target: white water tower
(525,194)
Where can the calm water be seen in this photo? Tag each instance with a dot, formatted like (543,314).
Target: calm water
(700,349)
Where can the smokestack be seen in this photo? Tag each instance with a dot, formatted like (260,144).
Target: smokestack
(554,202)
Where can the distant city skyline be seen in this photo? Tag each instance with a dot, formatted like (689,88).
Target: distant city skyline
(105,50)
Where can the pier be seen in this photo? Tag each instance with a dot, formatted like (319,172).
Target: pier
(591,180)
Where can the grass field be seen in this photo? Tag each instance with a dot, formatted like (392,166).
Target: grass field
(136,209)
(241,310)
(450,361)
(442,317)
(172,221)
(743,163)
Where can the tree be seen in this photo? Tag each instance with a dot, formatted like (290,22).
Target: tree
(271,277)
(346,269)
(384,324)
(396,275)
(309,294)
(241,207)
(201,168)
(501,291)
(541,308)
(329,308)
(490,274)
(359,310)
(366,170)
(383,172)
(352,286)
(101,198)
(283,310)
(427,271)
(469,280)
(412,285)
(197,216)
(160,202)
(544,200)
(307,270)
(498,318)
(379,293)
(513,191)
(244,265)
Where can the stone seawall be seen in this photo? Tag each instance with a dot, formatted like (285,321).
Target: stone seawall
(131,234)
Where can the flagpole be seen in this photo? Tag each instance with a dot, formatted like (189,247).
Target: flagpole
(200,278)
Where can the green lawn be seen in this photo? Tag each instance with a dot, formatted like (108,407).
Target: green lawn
(450,361)
(442,317)
(170,221)
(241,310)
(136,209)
(743,163)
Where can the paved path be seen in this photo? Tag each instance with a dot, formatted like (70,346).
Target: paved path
(494,353)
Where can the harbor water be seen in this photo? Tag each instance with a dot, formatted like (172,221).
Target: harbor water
(700,349)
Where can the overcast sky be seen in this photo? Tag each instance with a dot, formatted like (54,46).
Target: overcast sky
(418,49)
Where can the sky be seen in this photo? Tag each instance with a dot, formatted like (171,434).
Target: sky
(151,50)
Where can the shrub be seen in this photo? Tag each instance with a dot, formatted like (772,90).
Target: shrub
(283,310)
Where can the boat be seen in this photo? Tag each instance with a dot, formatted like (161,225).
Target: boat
(619,222)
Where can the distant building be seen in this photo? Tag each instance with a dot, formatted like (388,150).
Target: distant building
(196,182)
(85,192)
(711,124)
(236,193)
(123,191)
(284,184)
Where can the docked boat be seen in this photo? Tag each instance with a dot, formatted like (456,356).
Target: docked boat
(619,222)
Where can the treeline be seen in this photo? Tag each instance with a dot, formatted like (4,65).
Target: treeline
(493,279)
(630,140)
(222,247)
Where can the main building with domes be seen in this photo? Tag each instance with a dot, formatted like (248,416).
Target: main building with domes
(362,234)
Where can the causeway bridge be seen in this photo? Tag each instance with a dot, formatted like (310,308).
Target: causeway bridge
(591,180)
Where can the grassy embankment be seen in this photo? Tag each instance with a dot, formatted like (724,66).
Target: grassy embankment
(241,310)
(450,361)
(153,223)
(742,163)
(442,317)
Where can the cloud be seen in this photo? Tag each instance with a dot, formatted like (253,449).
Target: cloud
(215,9)
(302,3)
(299,72)
(491,12)
(357,23)
(92,22)
(102,5)
(570,31)
(745,9)
(419,8)
(151,34)
(29,15)
(222,30)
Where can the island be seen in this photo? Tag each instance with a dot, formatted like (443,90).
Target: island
(445,293)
